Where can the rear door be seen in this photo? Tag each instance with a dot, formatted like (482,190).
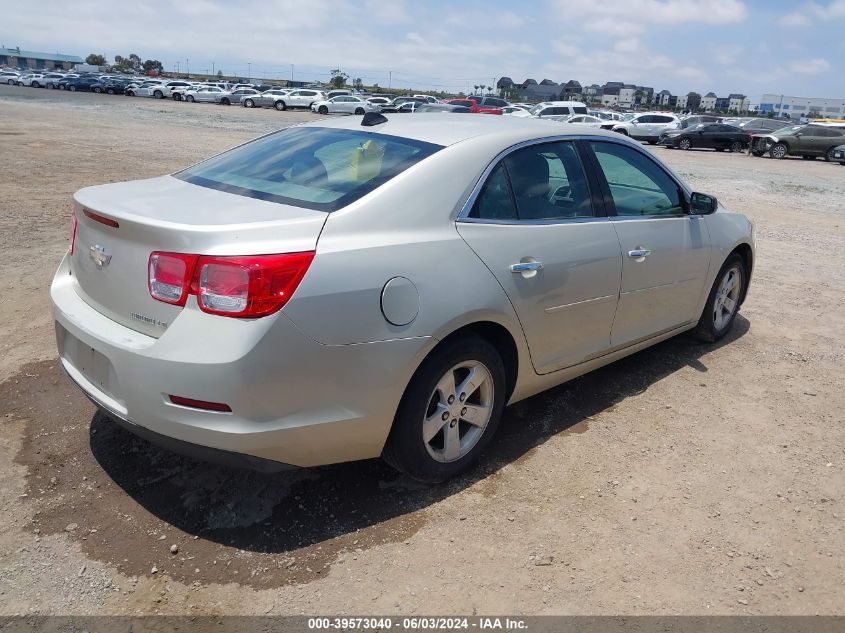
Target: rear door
(539,228)
(665,252)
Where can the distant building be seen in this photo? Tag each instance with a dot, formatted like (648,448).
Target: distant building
(37,61)
(546,90)
(783,105)
(571,91)
(708,102)
(627,94)
(663,98)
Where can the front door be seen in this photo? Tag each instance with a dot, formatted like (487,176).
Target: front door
(665,251)
(534,225)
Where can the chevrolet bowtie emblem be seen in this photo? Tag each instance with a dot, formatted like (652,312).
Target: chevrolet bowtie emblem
(100,256)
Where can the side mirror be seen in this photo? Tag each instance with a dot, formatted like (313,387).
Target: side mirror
(702,204)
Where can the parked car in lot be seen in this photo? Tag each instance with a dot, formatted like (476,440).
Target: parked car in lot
(344,104)
(441,107)
(697,119)
(50,80)
(586,119)
(472,104)
(558,110)
(807,141)
(81,84)
(760,125)
(34,80)
(9,77)
(301,98)
(384,104)
(267,99)
(207,94)
(647,127)
(515,111)
(839,154)
(716,136)
(239,94)
(326,282)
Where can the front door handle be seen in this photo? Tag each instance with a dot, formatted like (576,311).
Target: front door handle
(639,253)
(524,267)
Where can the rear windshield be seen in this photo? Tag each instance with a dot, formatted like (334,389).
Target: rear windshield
(316,168)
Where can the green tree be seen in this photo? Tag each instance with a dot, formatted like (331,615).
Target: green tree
(358,83)
(152,64)
(339,78)
(95,59)
(122,64)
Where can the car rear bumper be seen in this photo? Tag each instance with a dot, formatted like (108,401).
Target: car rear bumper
(293,400)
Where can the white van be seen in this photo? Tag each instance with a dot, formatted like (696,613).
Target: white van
(558,110)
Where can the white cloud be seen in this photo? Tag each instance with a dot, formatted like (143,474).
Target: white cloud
(636,16)
(810,66)
(811,11)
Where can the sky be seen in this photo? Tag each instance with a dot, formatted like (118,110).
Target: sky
(747,46)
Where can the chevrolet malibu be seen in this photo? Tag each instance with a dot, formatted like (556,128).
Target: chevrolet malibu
(355,288)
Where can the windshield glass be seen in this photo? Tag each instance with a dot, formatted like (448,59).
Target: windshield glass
(316,168)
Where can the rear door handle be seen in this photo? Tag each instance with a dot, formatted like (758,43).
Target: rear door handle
(639,253)
(524,267)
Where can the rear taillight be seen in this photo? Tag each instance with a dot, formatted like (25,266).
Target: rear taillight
(72,230)
(248,286)
(170,276)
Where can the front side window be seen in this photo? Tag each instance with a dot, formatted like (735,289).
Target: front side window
(316,168)
(638,186)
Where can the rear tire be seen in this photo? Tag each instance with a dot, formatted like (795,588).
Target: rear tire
(158,94)
(323,110)
(35,84)
(359,111)
(249,103)
(280,106)
(50,86)
(431,440)
(225,101)
(110,91)
(723,301)
(828,155)
(72,88)
(737,147)
(189,98)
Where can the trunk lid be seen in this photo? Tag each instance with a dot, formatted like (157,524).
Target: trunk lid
(110,263)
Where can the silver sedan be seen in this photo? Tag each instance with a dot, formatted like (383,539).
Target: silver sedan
(344,104)
(267,99)
(384,286)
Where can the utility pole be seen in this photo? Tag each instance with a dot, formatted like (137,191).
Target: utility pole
(212,68)
(291,74)
(177,68)
(390,79)
(188,67)
(249,70)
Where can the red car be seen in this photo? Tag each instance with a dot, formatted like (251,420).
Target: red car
(473,106)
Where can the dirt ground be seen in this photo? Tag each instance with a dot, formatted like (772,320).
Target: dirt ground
(687,479)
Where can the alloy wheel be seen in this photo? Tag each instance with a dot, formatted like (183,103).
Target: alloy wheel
(727,298)
(684,143)
(458,411)
(778,151)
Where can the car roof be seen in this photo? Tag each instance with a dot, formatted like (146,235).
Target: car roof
(448,129)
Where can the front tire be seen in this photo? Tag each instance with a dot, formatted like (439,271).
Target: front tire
(280,105)
(249,103)
(189,98)
(323,110)
(72,88)
(828,155)
(779,150)
(684,143)
(449,412)
(723,301)
(359,111)
(737,147)
(35,84)
(225,101)
(158,94)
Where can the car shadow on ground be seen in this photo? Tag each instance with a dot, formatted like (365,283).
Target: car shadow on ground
(286,511)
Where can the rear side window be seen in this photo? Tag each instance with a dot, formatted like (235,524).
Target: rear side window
(638,186)
(580,110)
(315,168)
(496,200)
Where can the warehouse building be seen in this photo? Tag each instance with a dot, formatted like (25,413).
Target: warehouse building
(18,58)
(796,107)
